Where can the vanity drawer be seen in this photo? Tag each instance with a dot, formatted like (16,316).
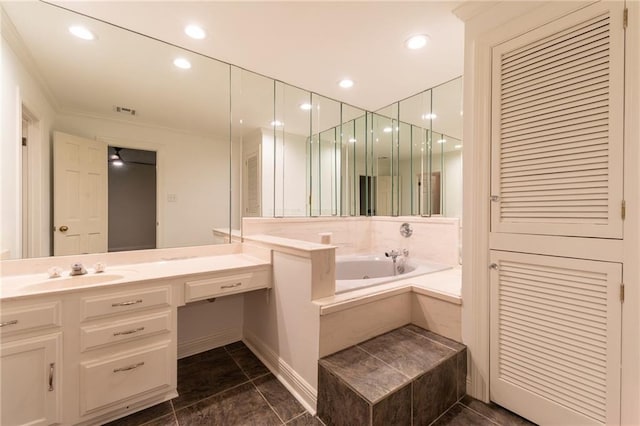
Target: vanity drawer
(106,381)
(29,317)
(115,303)
(229,284)
(93,336)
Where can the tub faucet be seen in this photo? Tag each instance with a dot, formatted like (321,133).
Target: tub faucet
(77,269)
(394,254)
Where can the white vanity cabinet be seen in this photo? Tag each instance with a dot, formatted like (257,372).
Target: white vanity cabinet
(126,349)
(30,362)
(225,284)
(74,352)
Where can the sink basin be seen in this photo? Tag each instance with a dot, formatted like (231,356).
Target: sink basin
(78,280)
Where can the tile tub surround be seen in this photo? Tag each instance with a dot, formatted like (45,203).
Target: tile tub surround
(428,301)
(406,376)
(224,386)
(436,239)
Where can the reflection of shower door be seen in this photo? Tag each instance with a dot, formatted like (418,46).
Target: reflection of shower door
(435,193)
(385,201)
(252,186)
(367,192)
(428,196)
(79,195)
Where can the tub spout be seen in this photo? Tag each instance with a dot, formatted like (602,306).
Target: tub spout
(394,254)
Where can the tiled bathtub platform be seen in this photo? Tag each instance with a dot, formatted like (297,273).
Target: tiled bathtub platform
(409,376)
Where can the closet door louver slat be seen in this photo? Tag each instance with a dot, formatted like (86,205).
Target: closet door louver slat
(556,332)
(556,172)
(557,129)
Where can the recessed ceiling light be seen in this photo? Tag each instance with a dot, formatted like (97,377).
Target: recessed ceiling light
(442,141)
(277,123)
(429,116)
(182,63)
(417,41)
(345,83)
(458,146)
(387,130)
(82,32)
(195,32)
(306,106)
(353,140)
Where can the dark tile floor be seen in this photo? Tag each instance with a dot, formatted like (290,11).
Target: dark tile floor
(224,386)
(229,386)
(471,412)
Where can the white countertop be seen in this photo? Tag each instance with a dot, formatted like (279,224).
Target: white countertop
(15,286)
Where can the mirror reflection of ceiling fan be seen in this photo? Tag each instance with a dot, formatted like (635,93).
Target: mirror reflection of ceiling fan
(119,156)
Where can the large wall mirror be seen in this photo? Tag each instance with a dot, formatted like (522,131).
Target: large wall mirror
(159,134)
(125,142)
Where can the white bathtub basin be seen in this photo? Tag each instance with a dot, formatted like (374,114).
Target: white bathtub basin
(354,272)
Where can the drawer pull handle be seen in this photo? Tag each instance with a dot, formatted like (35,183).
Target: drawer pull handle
(135,330)
(12,322)
(127,303)
(52,369)
(128,367)
(231,285)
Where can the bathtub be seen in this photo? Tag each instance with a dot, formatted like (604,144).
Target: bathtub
(361,271)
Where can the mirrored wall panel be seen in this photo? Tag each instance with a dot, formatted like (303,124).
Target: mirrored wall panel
(123,142)
(88,111)
(430,151)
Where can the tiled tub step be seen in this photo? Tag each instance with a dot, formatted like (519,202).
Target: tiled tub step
(409,376)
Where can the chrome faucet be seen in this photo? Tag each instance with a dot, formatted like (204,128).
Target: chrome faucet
(77,269)
(394,254)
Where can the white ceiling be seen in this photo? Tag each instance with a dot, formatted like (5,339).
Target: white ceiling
(310,44)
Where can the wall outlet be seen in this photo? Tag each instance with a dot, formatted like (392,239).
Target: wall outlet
(172,198)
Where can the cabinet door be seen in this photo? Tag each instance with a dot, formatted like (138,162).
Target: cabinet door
(557,127)
(30,381)
(555,338)
(107,381)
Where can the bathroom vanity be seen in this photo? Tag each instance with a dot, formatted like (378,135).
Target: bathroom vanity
(91,348)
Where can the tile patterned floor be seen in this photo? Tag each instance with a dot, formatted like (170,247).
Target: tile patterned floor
(471,412)
(229,386)
(224,386)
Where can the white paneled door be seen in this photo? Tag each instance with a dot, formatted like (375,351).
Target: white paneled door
(557,173)
(79,195)
(557,127)
(556,338)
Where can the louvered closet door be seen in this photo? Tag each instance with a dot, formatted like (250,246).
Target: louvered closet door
(555,338)
(557,116)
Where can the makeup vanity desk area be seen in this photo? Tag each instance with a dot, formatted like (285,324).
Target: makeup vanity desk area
(88,349)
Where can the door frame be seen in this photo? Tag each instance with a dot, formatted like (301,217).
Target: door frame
(160,150)
(485,27)
(37,203)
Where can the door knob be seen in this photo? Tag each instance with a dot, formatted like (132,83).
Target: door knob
(64,228)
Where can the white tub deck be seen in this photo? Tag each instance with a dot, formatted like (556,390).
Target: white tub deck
(445,285)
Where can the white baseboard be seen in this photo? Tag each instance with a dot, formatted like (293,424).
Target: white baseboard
(306,394)
(212,341)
